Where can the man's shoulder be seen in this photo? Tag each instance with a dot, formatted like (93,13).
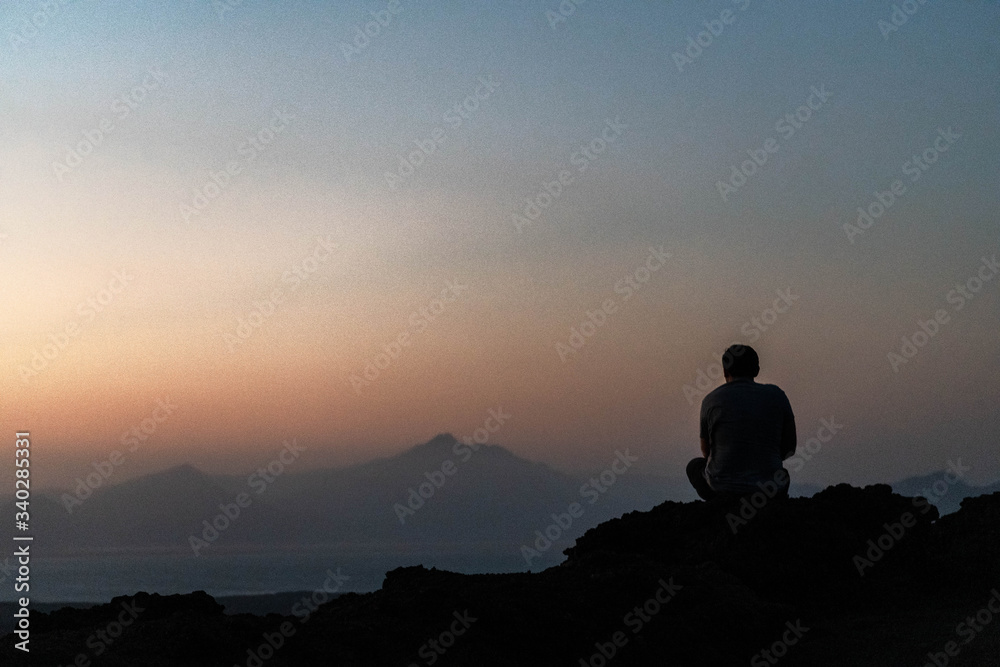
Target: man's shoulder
(715,394)
(735,389)
(776,396)
(771,390)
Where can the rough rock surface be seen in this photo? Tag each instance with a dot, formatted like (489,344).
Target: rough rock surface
(849,577)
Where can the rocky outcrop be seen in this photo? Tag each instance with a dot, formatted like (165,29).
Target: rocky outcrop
(849,576)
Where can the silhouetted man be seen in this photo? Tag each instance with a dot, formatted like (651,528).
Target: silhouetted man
(747,430)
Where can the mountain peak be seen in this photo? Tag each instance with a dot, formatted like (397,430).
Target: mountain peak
(182,470)
(441,440)
(183,474)
(439,445)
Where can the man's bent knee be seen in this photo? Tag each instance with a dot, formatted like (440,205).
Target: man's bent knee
(696,475)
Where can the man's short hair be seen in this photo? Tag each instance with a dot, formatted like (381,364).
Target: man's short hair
(741,361)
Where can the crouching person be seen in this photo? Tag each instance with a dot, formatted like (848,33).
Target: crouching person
(747,431)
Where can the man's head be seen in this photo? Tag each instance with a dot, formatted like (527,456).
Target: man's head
(740,361)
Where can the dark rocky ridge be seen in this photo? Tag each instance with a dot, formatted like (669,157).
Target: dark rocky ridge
(793,562)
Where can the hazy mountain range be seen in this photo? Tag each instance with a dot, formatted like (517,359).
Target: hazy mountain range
(490,497)
(483,499)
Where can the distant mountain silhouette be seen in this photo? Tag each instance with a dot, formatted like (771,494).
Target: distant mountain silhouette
(491,499)
(953,495)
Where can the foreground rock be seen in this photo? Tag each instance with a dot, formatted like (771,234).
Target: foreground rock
(847,577)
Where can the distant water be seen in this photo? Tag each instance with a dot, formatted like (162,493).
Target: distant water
(98,578)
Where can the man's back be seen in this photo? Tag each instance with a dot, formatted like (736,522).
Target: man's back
(745,424)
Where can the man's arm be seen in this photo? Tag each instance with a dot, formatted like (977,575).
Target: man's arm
(704,431)
(788,433)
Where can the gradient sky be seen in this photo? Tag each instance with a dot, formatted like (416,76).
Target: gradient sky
(323,176)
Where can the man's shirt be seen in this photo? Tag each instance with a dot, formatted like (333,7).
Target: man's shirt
(743,422)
